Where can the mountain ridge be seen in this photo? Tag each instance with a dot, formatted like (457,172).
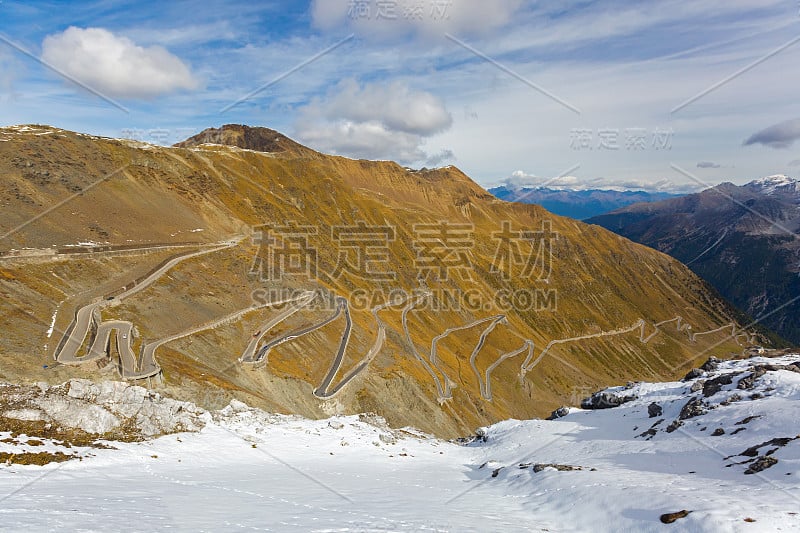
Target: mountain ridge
(726,234)
(578,204)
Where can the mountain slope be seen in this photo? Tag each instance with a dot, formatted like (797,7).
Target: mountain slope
(196,260)
(728,234)
(575,204)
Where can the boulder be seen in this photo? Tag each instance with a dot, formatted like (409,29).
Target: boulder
(654,410)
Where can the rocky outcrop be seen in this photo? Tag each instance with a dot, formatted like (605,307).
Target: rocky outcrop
(605,400)
(115,409)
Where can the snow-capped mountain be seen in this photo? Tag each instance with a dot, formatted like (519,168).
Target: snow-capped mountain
(718,451)
(776,185)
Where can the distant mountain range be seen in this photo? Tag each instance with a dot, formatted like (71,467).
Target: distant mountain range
(577,204)
(741,239)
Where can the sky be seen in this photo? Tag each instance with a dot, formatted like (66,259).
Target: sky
(671,96)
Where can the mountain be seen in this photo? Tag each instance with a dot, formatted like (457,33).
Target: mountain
(741,239)
(715,452)
(576,204)
(243,265)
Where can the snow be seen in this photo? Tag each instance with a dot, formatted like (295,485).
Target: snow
(251,470)
(770,184)
(53,322)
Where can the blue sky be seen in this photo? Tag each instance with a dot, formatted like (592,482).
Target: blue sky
(505,90)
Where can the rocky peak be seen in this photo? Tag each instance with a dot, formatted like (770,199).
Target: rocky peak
(246,137)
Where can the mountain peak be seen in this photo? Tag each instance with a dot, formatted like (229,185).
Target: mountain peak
(258,139)
(770,184)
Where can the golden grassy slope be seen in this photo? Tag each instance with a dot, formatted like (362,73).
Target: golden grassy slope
(603,282)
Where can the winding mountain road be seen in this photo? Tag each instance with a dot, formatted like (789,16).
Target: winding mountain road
(261,357)
(296,304)
(323,392)
(88,318)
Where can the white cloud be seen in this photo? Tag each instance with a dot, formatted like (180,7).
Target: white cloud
(375,121)
(115,65)
(381,20)
(521,179)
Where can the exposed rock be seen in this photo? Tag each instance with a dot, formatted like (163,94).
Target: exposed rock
(103,408)
(713,386)
(538,467)
(735,397)
(668,518)
(387,439)
(605,400)
(27,415)
(711,364)
(760,464)
(85,416)
(673,426)
(747,420)
(654,410)
(749,381)
(559,413)
(752,451)
(718,432)
(693,374)
(697,386)
(694,407)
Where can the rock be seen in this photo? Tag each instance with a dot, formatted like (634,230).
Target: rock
(559,413)
(711,364)
(693,408)
(654,410)
(387,439)
(735,397)
(760,464)
(238,407)
(693,374)
(85,416)
(718,432)
(335,424)
(780,442)
(26,415)
(668,518)
(713,386)
(673,426)
(649,433)
(538,467)
(605,400)
(749,381)
(697,386)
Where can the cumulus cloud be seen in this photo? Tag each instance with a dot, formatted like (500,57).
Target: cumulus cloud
(396,106)
(708,164)
(781,135)
(522,179)
(115,65)
(376,19)
(375,121)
